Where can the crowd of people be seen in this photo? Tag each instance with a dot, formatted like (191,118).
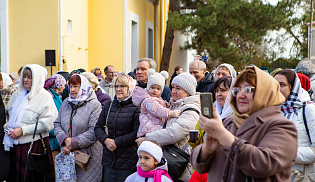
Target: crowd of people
(261,130)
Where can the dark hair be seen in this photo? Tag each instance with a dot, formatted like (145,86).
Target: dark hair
(226,80)
(20,70)
(1,77)
(75,80)
(107,67)
(177,68)
(289,74)
(248,75)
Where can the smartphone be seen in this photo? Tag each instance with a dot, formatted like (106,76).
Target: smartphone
(206,104)
(204,58)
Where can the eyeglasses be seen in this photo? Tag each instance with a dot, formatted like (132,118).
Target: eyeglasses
(245,90)
(120,86)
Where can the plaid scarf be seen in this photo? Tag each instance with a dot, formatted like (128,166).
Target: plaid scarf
(293,104)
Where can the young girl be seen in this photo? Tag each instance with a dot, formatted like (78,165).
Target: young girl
(152,166)
(153,107)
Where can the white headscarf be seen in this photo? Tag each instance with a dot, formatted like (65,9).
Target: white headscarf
(228,66)
(6,80)
(227,110)
(84,92)
(18,109)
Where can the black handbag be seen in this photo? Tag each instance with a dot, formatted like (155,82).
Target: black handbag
(177,160)
(37,162)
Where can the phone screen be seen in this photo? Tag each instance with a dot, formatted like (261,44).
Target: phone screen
(206,104)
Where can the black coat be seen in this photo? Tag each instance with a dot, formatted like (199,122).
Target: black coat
(123,123)
(4,155)
(206,85)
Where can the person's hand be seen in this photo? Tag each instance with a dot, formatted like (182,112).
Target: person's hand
(209,146)
(16,133)
(68,142)
(140,140)
(215,128)
(175,113)
(198,58)
(110,144)
(66,150)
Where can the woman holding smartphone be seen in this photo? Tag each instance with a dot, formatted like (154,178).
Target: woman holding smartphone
(253,144)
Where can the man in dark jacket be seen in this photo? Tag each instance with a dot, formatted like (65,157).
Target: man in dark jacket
(143,66)
(205,80)
(4,155)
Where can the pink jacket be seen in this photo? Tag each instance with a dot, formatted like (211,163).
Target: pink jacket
(153,110)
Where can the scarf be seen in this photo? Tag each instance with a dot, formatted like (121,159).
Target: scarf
(55,81)
(16,114)
(226,110)
(293,104)
(267,93)
(85,91)
(6,80)
(131,86)
(156,174)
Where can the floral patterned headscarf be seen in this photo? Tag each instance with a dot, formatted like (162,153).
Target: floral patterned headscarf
(85,91)
(55,81)
(131,86)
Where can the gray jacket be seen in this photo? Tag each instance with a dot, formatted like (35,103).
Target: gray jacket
(108,88)
(177,129)
(83,137)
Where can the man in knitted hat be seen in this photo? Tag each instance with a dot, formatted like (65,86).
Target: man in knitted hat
(307,68)
(143,66)
(107,83)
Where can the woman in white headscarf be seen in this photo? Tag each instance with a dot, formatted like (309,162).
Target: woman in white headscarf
(6,88)
(30,106)
(74,127)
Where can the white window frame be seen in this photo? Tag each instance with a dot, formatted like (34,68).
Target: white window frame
(149,25)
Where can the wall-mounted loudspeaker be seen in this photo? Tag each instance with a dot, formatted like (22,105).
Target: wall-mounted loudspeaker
(50,58)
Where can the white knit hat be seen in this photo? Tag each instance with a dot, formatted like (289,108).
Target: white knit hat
(152,149)
(187,82)
(156,78)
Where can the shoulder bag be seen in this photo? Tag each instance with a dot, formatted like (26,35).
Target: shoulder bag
(177,159)
(37,162)
(81,159)
(106,128)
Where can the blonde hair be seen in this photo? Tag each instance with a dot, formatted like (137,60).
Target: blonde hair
(122,79)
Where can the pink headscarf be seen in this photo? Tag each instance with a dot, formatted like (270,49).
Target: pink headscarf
(55,81)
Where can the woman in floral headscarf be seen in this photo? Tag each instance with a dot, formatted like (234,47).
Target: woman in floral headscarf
(121,117)
(55,85)
(74,126)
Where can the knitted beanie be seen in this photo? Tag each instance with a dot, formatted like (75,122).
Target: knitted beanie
(156,78)
(187,82)
(152,149)
(91,78)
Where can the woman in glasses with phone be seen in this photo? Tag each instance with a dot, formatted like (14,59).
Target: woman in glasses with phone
(116,129)
(257,143)
(300,110)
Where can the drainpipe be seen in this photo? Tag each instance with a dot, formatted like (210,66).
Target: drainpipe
(156,30)
(60,37)
(125,38)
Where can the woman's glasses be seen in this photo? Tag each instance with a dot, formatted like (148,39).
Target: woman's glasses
(120,86)
(245,90)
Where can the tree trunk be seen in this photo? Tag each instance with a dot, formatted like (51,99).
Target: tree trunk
(168,42)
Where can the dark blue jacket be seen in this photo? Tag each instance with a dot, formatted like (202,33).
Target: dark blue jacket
(206,85)
(123,124)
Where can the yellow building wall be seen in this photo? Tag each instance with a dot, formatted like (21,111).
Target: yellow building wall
(75,44)
(106,34)
(32,29)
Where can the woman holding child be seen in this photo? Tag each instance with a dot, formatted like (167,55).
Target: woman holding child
(176,130)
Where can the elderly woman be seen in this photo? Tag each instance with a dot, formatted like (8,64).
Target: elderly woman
(121,117)
(224,70)
(301,113)
(74,127)
(55,85)
(30,106)
(257,143)
(6,87)
(176,130)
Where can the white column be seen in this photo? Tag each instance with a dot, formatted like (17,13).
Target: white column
(4,13)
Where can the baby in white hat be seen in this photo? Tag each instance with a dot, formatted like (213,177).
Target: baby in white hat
(153,107)
(151,166)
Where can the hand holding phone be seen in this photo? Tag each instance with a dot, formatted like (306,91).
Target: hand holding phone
(206,104)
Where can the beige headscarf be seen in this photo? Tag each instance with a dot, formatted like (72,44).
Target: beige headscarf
(267,93)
